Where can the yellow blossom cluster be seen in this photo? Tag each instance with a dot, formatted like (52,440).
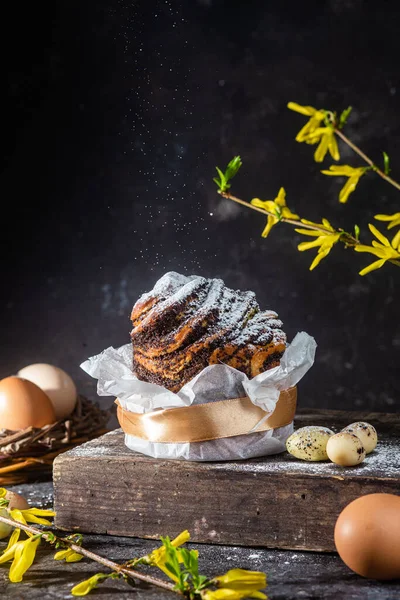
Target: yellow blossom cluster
(158,558)
(22,552)
(277,209)
(324,241)
(326,236)
(313,133)
(233,585)
(353,174)
(236,584)
(322,129)
(384,250)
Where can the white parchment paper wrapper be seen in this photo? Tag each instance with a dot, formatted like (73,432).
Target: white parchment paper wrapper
(113,370)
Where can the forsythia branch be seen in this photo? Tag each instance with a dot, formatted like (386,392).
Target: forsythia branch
(179,564)
(321,129)
(326,236)
(374,167)
(53,539)
(296,222)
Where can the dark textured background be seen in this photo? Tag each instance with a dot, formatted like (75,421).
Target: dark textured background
(118,112)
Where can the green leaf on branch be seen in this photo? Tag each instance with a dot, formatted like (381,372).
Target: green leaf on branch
(173,569)
(172,566)
(191,562)
(233,167)
(187,576)
(344,116)
(357,232)
(223,180)
(386,167)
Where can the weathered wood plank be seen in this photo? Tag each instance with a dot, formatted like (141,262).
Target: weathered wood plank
(275,502)
(291,575)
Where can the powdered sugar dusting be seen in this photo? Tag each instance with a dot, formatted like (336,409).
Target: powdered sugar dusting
(168,285)
(383,463)
(234,312)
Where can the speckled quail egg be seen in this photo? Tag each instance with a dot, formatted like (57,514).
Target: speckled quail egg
(309,443)
(345,449)
(366,434)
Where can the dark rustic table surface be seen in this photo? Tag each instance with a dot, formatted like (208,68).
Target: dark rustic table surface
(291,575)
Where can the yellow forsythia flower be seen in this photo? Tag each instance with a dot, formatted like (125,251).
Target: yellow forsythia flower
(22,554)
(17,515)
(316,117)
(158,557)
(394,219)
(353,174)
(69,555)
(239,579)
(32,515)
(28,515)
(325,241)
(313,133)
(277,207)
(237,584)
(14,537)
(228,594)
(25,516)
(326,140)
(84,587)
(384,250)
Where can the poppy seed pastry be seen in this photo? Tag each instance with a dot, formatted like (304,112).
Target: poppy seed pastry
(187,323)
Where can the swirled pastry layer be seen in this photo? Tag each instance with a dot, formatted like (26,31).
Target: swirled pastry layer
(187,323)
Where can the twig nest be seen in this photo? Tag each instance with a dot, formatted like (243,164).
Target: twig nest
(30,451)
(365,432)
(309,443)
(345,449)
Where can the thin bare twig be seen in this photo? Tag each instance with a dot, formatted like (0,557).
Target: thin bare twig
(358,151)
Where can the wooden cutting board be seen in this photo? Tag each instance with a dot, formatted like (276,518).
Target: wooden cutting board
(275,502)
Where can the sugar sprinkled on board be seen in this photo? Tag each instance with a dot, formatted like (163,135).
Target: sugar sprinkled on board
(383,462)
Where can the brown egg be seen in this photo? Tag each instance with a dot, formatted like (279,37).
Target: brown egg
(16,501)
(56,383)
(23,404)
(367,536)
